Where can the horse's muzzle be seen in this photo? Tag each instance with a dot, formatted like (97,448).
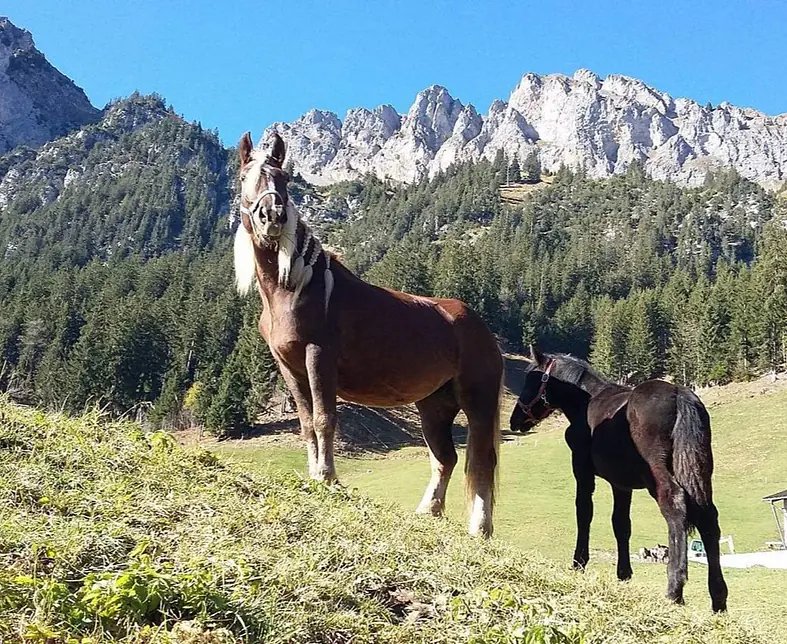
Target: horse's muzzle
(271,230)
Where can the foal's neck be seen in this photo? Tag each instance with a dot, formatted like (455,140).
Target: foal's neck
(576,396)
(574,403)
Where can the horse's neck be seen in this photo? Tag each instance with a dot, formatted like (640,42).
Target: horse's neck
(576,396)
(573,403)
(593,384)
(290,264)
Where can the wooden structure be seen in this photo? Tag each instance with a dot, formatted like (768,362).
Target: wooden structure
(776,500)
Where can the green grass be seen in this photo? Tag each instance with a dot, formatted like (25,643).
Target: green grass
(536,501)
(107,534)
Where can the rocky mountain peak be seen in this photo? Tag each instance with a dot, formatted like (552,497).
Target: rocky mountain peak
(12,38)
(581,121)
(37,102)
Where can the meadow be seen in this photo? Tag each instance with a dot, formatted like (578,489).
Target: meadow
(536,497)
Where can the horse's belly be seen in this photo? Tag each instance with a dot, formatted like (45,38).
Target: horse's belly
(615,457)
(394,387)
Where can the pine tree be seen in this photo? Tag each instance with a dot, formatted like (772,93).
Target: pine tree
(641,357)
(227,414)
(531,168)
(514,171)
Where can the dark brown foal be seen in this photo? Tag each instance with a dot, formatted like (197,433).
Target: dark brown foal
(655,436)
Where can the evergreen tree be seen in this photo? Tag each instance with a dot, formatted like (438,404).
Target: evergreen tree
(531,168)
(228,413)
(514,171)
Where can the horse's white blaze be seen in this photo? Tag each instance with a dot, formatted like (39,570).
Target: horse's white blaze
(245,268)
(328,284)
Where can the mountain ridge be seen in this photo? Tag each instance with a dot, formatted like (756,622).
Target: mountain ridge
(38,103)
(599,126)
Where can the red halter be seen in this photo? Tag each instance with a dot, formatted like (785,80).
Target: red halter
(541,395)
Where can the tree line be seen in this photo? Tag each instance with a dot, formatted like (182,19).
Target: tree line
(643,277)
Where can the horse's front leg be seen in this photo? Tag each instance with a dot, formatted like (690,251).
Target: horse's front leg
(301,393)
(321,369)
(586,484)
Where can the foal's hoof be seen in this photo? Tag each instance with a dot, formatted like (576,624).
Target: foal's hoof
(720,608)
(579,565)
(625,574)
(676,598)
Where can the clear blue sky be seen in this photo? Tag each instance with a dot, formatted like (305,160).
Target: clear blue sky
(239,64)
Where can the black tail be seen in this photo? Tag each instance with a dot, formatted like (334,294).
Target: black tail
(692,458)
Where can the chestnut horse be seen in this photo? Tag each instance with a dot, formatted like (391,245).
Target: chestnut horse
(655,436)
(333,334)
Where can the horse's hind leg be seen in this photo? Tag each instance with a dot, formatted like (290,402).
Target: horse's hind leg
(480,403)
(671,498)
(621,525)
(437,417)
(706,519)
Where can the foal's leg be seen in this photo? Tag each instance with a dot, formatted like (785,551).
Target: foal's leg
(586,484)
(437,417)
(707,521)
(671,498)
(621,525)
(302,395)
(321,368)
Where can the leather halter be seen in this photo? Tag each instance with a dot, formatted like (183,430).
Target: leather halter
(540,396)
(254,206)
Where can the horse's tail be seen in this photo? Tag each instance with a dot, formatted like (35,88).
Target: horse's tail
(692,458)
(481,467)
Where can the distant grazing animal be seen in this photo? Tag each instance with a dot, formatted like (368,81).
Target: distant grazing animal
(332,333)
(655,436)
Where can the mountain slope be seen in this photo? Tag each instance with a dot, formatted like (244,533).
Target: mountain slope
(582,122)
(37,102)
(139,180)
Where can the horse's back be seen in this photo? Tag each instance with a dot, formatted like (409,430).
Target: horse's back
(652,403)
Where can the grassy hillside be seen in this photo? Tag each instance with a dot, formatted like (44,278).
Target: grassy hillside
(109,534)
(536,508)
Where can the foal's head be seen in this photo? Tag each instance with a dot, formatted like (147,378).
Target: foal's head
(533,406)
(264,199)
(553,381)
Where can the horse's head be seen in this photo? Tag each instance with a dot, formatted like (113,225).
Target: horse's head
(532,406)
(263,190)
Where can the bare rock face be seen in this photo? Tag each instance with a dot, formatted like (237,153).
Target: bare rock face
(37,102)
(584,122)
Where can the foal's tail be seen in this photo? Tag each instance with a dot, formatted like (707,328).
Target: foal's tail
(692,458)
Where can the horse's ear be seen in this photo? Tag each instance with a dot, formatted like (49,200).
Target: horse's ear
(535,355)
(278,150)
(245,148)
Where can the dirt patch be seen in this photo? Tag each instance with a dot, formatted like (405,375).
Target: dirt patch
(763,386)
(360,430)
